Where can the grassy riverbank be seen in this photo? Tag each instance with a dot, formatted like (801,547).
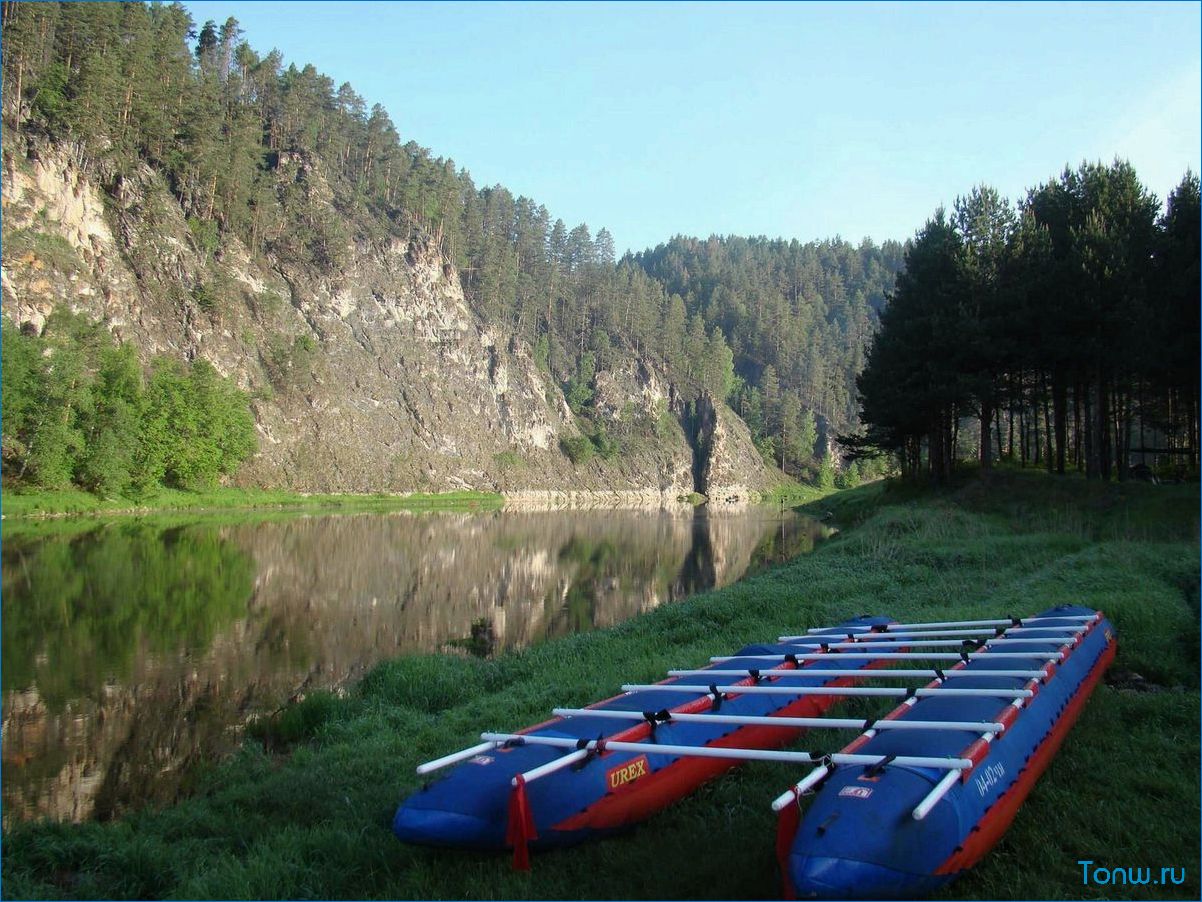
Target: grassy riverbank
(305,813)
(76,501)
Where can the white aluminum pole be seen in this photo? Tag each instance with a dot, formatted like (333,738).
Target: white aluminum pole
(455,757)
(878,691)
(864,673)
(831,723)
(812,779)
(938,643)
(939,624)
(551,767)
(929,634)
(691,751)
(942,788)
(890,656)
(1008,621)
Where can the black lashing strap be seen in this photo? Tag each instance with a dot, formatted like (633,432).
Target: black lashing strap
(582,744)
(974,643)
(755,675)
(718,697)
(911,691)
(1016,621)
(791,658)
(878,628)
(875,769)
(939,674)
(655,718)
(964,655)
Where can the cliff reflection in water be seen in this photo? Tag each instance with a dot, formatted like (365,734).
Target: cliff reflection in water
(131,651)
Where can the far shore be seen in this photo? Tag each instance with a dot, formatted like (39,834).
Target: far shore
(44,505)
(77,503)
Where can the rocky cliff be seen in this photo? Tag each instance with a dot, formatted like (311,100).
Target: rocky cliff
(368,374)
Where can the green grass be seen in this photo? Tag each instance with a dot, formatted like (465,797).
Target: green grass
(20,503)
(305,812)
(793,494)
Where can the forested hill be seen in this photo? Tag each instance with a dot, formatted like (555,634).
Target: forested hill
(797,316)
(292,187)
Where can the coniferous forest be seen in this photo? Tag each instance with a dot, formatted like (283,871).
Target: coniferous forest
(1064,327)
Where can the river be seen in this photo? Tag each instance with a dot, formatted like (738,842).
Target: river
(134,648)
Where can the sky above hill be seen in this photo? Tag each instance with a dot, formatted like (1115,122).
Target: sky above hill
(803,120)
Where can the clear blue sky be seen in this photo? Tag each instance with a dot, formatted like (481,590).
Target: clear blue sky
(795,120)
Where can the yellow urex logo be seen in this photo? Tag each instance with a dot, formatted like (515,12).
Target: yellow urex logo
(628,773)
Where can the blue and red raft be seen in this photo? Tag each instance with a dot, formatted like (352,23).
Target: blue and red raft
(475,805)
(859,837)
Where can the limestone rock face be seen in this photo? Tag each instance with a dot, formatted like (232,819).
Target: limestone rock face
(731,471)
(630,391)
(369,374)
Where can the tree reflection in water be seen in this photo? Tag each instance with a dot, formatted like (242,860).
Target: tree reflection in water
(133,649)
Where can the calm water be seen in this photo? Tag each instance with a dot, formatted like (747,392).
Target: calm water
(132,649)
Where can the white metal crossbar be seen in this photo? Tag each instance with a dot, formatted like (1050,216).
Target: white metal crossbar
(858,632)
(888,656)
(940,643)
(939,624)
(829,723)
(864,673)
(877,691)
(689,751)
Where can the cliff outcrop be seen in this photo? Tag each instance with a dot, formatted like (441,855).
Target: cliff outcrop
(368,372)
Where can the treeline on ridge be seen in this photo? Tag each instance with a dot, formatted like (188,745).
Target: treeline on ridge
(775,327)
(1067,326)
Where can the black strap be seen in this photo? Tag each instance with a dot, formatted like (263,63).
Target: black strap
(939,675)
(754,674)
(878,628)
(582,744)
(513,743)
(868,724)
(973,643)
(791,658)
(911,691)
(824,646)
(1000,631)
(718,697)
(1016,621)
(964,656)
(655,718)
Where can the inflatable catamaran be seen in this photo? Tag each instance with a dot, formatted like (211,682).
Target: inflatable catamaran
(594,770)
(921,794)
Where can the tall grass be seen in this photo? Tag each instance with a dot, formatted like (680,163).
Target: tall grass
(304,811)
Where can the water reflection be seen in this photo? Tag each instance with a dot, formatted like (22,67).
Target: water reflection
(130,650)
